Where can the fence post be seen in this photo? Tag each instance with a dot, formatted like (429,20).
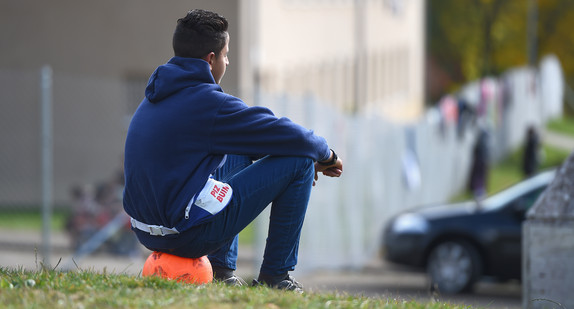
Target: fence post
(47,161)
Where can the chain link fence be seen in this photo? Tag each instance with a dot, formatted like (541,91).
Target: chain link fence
(62,139)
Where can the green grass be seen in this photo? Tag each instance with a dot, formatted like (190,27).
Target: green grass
(563,125)
(247,236)
(30,220)
(84,289)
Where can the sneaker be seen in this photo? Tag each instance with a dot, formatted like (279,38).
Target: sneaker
(288,283)
(233,281)
(227,276)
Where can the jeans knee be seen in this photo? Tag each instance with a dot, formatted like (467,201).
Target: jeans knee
(308,167)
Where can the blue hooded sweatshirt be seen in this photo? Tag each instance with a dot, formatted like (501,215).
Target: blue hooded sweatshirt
(180,134)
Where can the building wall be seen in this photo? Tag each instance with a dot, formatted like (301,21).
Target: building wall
(101,54)
(358,56)
(362,56)
(102,38)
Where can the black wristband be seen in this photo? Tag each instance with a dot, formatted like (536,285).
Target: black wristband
(330,162)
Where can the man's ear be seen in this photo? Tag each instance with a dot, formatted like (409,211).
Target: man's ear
(210,58)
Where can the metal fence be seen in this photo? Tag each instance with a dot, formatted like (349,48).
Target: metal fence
(388,166)
(60,132)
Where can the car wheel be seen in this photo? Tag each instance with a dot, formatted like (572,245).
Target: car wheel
(453,267)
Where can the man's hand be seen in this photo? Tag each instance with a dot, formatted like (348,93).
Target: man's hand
(334,170)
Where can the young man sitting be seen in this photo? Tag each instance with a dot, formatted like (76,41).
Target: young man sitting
(200,164)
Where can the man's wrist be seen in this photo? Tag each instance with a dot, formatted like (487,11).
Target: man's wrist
(328,162)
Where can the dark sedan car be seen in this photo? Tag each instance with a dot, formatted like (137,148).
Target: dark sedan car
(458,244)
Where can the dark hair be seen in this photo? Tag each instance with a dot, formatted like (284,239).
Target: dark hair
(199,33)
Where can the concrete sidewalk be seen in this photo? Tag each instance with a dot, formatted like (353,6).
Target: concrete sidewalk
(560,141)
(23,249)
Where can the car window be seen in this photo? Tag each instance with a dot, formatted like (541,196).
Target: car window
(529,199)
(523,203)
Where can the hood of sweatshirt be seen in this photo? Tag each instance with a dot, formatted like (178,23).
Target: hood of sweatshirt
(176,74)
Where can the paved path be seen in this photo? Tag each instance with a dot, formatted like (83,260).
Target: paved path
(558,140)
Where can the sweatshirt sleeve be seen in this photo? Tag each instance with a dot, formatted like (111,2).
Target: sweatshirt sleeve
(244,130)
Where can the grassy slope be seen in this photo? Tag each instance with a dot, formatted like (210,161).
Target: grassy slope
(562,126)
(30,220)
(508,171)
(49,289)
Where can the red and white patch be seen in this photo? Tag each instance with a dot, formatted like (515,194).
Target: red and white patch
(214,196)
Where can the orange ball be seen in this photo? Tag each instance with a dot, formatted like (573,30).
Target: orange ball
(196,271)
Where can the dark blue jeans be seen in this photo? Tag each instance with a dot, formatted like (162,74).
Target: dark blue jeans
(286,183)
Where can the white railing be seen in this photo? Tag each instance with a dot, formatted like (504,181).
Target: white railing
(346,216)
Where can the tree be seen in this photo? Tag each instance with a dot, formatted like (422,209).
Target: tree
(555,35)
(475,38)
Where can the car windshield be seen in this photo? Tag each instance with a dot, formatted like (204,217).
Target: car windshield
(504,197)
